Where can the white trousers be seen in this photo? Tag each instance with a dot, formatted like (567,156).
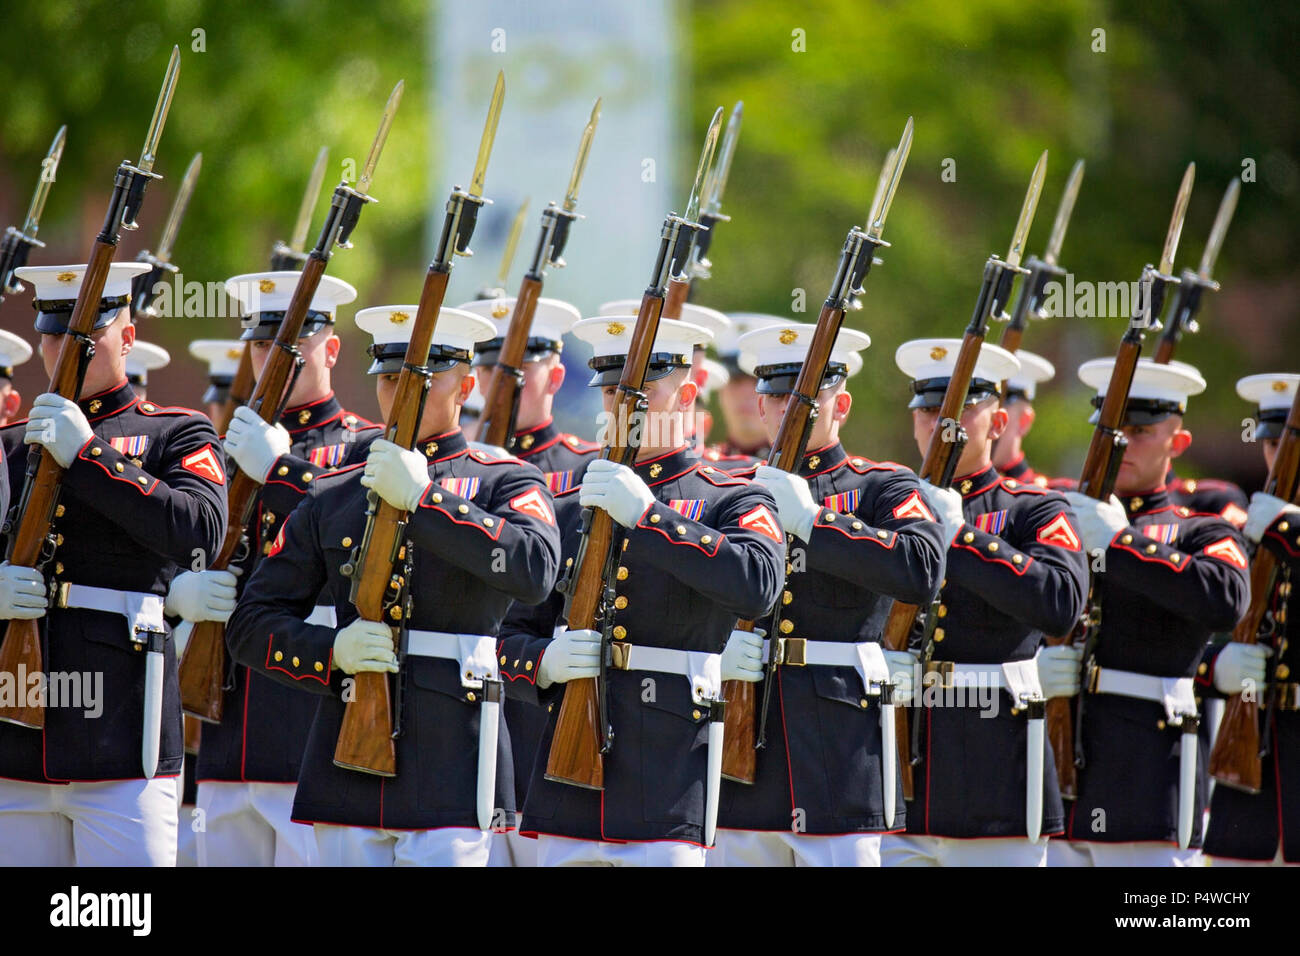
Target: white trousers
(902,849)
(1080,853)
(1231,861)
(368,846)
(248,824)
(511,849)
(108,823)
(561,851)
(782,848)
(187,851)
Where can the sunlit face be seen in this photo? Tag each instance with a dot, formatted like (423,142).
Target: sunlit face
(542,379)
(740,415)
(107,368)
(833,410)
(668,405)
(1150,449)
(1020,418)
(983,422)
(1271,446)
(320,351)
(447,392)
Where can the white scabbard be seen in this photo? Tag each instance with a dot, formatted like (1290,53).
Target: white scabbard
(1034,747)
(488,728)
(888,754)
(1187,779)
(153,701)
(713,783)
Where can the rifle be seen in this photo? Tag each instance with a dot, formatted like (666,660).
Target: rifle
(1106,450)
(203,667)
(30,542)
(950,438)
(1235,759)
(1030,303)
(741,739)
(285,257)
(498,291)
(697,242)
(17,243)
(366,736)
(160,263)
(582,732)
(497,426)
(1187,298)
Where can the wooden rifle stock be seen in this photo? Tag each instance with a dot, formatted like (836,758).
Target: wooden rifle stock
(365,741)
(675,298)
(502,403)
(1235,759)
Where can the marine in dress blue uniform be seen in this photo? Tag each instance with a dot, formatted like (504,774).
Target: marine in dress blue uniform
(481,534)
(1264,828)
(222,358)
(1171,579)
(703,548)
(562,458)
(865,535)
(1015,575)
(143,494)
(1020,391)
(13,351)
(745,437)
(248,763)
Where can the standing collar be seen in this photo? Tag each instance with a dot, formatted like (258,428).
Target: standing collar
(310,415)
(655,471)
(532,440)
(1019,469)
(977,482)
(1152,500)
(447,445)
(822,459)
(108,402)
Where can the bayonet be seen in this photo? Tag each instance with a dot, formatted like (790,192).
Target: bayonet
(377,147)
(716,184)
(706,158)
(1227,206)
(164,253)
(580,162)
(512,243)
(1176,221)
(149,153)
(890,173)
(1027,210)
(17,244)
(144,287)
(489,135)
(298,238)
(1063,213)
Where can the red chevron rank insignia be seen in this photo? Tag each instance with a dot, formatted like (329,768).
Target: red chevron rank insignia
(914,507)
(534,504)
(1225,549)
(1059,532)
(205,464)
(760,519)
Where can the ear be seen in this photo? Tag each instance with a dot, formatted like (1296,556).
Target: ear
(332,346)
(998,422)
(689,392)
(1027,417)
(700,376)
(1179,442)
(466,389)
(555,378)
(762,406)
(128,337)
(12,401)
(840,408)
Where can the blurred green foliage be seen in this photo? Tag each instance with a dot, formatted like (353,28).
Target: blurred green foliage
(990,83)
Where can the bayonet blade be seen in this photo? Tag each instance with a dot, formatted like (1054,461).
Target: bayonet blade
(1176,221)
(298,238)
(489,135)
(512,243)
(49,166)
(149,153)
(580,163)
(381,137)
(173,225)
(1017,249)
(717,181)
(882,183)
(894,163)
(1227,206)
(1063,213)
(702,170)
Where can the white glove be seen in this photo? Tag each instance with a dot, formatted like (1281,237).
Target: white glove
(255,445)
(496,451)
(1059,669)
(946,503)
(794,501)
(617,489)
(902,674)
(742,658)
(398,475)
(202,595)
(1099,521)
(1264,510)
(1238,663)
(22,593)
(570,656)
(365,646)
(59,425)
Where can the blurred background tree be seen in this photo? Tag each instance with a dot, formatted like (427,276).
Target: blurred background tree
(1137,90)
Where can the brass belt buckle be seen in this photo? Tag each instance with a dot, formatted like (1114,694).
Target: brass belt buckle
(794,651)
(61,594)
(945,670)
(619,655)
(1094,676)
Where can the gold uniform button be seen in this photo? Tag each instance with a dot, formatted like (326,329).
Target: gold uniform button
(347,542)
(786,597)
(279,655)
(470,697)
(58,540)
(938,634)
(266,548)
(143,480)
(528,665)
(857,526)
(786,626)
(789,568)
(620,602)
(118,467)
(516,663)
(1160,725)
(1284,526)
(830,516)
(437,497)
(96,452)
(463,509)
(706,539)
(622,571)
(993,545)
(1282,672)
(282,470)
(318,666)
(148,407)
(968,537)
(620,632)
(943,610)
(1127,539)
(681,529)
(1203,668)
(58,511)
(58,567)
(1017,559)
(307,476)
(1011,483)
(503,661)
(862,702)
(654,519)
(882,534)
(296,662)
(1151,549)
(1175,557)
(695,715)
(488,522)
